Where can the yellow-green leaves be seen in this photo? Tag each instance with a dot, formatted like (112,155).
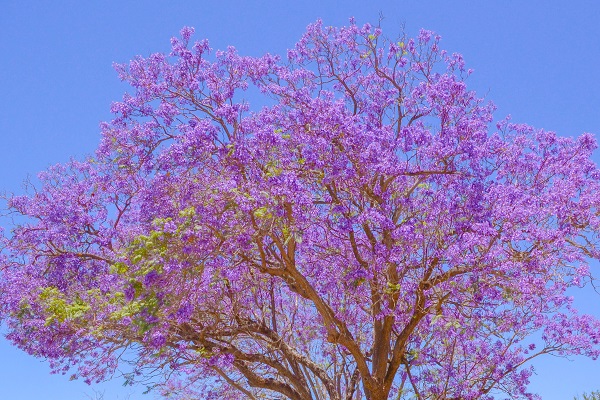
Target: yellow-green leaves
(401,45)
(147,255)
(262,212)
(128,310)
(203,352)
(392,288)
(272,169)
(58,308)
(119,268)
(24,309)
(188,212)
(231,148)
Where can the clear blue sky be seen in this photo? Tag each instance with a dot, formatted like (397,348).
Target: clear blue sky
(537,60)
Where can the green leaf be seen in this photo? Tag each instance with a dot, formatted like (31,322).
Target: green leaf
(261,212)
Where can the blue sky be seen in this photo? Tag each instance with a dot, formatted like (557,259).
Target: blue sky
(537,60)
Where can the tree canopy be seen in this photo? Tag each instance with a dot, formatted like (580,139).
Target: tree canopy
(363,232)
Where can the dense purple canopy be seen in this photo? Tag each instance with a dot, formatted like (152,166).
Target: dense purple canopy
(365,234)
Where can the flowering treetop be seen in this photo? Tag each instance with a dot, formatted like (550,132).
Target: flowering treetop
(364,233)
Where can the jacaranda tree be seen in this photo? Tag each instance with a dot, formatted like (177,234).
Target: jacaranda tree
(363,232)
